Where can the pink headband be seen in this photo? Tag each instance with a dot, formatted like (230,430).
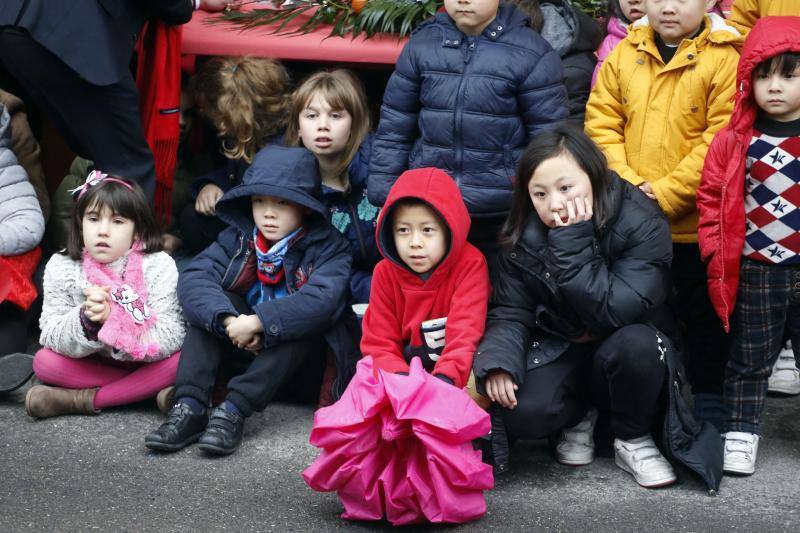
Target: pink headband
(95,177)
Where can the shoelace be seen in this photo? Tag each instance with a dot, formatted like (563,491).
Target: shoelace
(576,436)
(176,413)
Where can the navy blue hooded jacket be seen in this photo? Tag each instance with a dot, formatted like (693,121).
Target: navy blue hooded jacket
(467,105)
(317,266)
(355,217)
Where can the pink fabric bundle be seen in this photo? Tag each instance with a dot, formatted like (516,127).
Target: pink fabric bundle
(399,447)
(130,317)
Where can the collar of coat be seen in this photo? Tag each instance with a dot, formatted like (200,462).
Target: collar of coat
(716,32)
(534,238)
(508,17)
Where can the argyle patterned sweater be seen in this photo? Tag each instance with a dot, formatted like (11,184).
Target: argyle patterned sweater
(772,193)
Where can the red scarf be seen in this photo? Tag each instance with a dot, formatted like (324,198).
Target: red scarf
(263,271)
(158,76)
(16,273)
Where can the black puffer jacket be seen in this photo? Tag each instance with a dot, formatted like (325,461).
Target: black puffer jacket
(467,105)
(561,284)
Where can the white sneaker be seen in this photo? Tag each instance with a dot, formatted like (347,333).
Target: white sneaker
(642,459)
(576,445)
(785,377)
(741,450)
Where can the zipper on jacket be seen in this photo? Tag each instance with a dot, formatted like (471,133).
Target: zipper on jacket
(237,254)
(241,268)
(470,47)
(358,230)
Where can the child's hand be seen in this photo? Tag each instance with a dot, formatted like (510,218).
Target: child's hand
(648,190)
(242,329)
(207,199)
(578,210)
(97,307)
(500,388)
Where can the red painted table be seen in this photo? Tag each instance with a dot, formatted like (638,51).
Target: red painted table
(201,38)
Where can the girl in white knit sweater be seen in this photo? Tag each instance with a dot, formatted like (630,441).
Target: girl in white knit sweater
(111,323)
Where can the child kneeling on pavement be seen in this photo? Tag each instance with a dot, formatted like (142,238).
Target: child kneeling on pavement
(259,300)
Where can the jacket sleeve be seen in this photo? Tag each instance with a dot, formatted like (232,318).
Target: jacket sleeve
(677,191)
(709,197)
(21,220)
(542,95)
(466,321)
(509,327)
(317,305)
(605,119)
(200,290)
(397,128)
(162,297)
(60,321)
(382,336)
(613,295)
(360,283)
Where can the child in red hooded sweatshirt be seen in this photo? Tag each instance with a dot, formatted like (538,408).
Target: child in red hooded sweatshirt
(430,292)
(749,227)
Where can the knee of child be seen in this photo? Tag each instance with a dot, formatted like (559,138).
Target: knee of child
(633,347)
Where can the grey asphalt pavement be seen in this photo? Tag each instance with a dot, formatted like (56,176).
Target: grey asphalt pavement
(94,474)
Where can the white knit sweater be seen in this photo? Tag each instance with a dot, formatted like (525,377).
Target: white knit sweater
(60,322)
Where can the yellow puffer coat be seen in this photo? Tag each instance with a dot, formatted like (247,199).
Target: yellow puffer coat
(655,121)
(745,13)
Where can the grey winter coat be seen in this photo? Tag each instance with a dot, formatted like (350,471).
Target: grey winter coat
(21,220)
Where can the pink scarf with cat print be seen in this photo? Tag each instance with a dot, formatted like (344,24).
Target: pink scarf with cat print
(130,317)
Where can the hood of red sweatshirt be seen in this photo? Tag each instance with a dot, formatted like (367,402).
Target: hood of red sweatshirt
(437,189)
(770,36)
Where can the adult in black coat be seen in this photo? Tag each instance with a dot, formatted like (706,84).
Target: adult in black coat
(73,59)
(578,314)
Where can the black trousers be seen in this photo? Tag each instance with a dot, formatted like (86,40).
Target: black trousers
(13,329)
(199,231)
(256,376)
(706,344)
(623,374)
(100,123)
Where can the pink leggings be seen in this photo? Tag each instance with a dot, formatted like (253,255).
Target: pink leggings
(120,383)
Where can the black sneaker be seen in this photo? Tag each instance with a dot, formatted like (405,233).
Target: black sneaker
(223,434)
(182,428)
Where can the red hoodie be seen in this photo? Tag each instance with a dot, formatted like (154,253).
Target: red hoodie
(720,197)
(400,300)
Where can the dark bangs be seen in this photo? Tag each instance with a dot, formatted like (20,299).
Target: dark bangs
(784,63)
(561,139)
(124,202)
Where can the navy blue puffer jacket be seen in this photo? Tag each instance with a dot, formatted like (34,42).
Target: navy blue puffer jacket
(467,105)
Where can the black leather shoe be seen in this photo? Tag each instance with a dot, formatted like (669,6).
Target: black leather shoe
(223,434)
(182,428)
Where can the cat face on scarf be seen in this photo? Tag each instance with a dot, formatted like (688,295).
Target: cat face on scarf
(275,217)
(107,236)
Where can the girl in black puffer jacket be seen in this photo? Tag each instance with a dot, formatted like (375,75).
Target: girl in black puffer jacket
(578,310)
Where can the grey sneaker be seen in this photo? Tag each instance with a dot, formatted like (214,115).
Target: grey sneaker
(641,458)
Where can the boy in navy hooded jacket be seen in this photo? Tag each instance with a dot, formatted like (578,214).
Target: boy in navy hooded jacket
(259,300)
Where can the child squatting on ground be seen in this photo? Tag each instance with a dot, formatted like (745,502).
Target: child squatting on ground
(749,227)
(259,301)
(430,292)
(111,323)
